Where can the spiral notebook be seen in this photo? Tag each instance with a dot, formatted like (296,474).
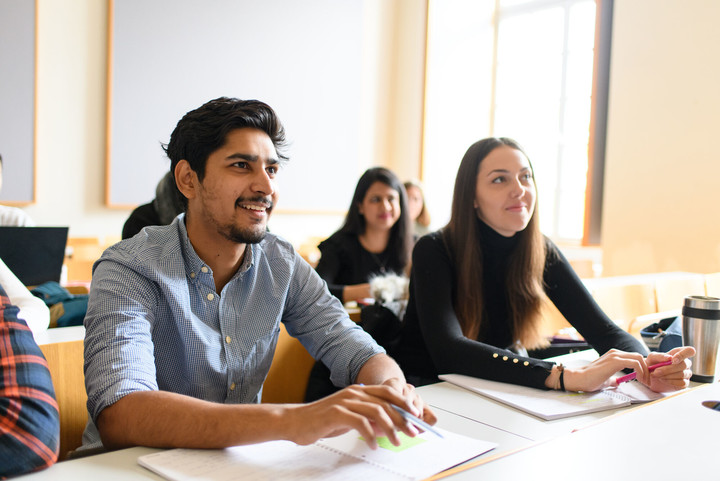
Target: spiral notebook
(550,405)
(345,457)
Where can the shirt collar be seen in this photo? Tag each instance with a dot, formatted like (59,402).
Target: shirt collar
(193,262)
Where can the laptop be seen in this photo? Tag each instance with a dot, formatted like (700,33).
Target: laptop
(34,254)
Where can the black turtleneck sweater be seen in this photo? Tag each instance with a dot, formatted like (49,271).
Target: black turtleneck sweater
(432,341)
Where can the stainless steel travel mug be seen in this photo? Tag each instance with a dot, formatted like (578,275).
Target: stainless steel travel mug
(701,330)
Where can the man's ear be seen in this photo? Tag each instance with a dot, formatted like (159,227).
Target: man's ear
(186,179)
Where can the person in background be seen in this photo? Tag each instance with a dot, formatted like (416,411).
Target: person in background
(29,417)
(161,211)
(478,285)
(419,212)
(12,216)
(183,319)
(32,309)
(375,238)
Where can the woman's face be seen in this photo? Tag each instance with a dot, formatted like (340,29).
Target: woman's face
(380,206)
(415,201)
(505,191)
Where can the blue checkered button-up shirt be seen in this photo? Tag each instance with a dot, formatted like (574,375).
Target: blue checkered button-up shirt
(155,322)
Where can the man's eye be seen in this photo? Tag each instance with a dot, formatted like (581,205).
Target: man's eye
(272,170)
(242,165)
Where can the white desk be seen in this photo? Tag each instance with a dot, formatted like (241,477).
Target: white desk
(517,434)
(457,409)
(671,439)
(122,465)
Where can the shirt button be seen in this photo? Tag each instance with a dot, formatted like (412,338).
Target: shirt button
(515,360)
(495,355)
(210,297)
(204,269)
(228,339)
(526,363)
(232,386)
(192,275)
(505,358)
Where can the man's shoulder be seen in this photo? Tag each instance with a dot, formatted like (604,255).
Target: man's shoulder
(151,244)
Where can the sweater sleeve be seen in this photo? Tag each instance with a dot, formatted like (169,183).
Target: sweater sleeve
(565,289)
(451,352)
(29,419)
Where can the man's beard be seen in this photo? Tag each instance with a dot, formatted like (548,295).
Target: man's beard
(246,236)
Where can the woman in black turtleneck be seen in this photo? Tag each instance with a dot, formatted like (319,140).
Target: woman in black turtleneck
(477,288)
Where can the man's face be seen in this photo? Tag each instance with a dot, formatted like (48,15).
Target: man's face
(238,193)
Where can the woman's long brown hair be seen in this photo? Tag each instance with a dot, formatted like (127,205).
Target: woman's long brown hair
(462,236)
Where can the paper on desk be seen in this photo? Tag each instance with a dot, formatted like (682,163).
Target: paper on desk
(550,405)
(345,457)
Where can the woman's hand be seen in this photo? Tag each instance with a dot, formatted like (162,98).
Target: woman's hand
(599,374)
(673,377)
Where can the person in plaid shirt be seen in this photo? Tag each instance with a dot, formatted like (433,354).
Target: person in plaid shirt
(29,418)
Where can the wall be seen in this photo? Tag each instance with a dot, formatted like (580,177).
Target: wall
(662,169)
(664,105)
(71,69)
(71,119)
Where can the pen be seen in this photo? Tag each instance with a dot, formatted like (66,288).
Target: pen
(633,375)
(417,421)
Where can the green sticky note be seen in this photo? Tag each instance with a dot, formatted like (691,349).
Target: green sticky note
(406,442)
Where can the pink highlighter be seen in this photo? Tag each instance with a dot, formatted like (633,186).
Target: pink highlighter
(633,375)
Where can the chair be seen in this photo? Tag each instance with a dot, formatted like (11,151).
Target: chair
(624,302)
(670,291)
(81,254)
(712,284)
(288,377)
(309,251)
(65,360)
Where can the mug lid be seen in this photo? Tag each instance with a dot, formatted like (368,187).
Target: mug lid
(702,302)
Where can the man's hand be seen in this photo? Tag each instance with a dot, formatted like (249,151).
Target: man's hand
(367,409)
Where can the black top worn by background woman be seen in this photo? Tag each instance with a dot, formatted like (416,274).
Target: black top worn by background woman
(345,262)
(432,341)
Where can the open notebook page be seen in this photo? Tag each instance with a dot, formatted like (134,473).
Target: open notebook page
(548,404)
(345,457)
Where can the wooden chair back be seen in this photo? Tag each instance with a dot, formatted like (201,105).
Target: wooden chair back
(712,284)
(670,292)
(288,377)
(624,302)
(65,360)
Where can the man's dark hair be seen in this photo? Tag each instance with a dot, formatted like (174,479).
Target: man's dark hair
(204,130)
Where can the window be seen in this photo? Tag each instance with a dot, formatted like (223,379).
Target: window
(535,85)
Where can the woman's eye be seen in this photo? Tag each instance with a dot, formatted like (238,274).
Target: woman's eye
(498,180)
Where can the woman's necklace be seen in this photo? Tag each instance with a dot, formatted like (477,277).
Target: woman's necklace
(380,262)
